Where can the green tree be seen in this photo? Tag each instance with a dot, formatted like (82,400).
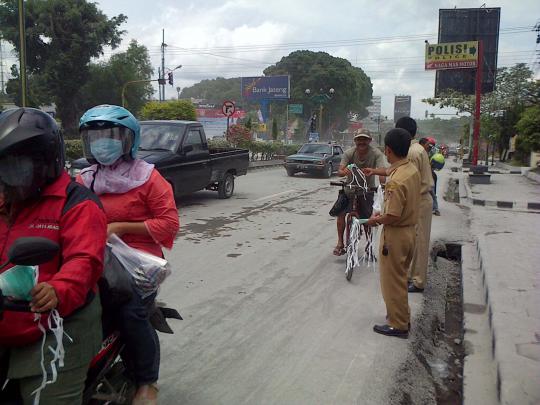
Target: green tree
(249,123)
(169,110)
(528,129)
(214,90)
(443,130)
(319,70)
(37,93)
(274,130)
(62,36)
(107,79)
(515,89)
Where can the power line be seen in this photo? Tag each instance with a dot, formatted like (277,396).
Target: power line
(179,50)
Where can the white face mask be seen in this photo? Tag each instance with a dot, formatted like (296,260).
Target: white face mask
(106,150)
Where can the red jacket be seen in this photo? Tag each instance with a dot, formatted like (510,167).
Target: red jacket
(151,203)
(78,224)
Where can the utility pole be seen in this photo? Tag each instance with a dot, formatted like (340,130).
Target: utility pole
(159,82)
(2,87)
(163,45)
(22,53)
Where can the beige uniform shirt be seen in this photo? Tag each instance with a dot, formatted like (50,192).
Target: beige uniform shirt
(402,193)
(419,158)
(373,158)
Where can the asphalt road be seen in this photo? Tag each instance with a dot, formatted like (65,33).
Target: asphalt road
(269,316)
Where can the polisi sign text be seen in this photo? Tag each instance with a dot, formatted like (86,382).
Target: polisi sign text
(452,55)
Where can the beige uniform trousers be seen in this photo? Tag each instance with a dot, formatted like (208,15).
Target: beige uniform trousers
(418,270)
(393,268)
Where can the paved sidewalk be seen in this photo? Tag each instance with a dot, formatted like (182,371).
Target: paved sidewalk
(506,191)
(508,252)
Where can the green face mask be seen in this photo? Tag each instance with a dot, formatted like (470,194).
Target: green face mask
(18,281)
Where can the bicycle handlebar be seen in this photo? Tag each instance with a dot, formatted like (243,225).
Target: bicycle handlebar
(355,187)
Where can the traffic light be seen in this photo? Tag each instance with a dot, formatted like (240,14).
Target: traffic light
(171,81)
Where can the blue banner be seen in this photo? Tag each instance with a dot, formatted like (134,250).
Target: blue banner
(265,88)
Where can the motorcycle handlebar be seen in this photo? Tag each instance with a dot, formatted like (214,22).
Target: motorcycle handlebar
(12,305)
(16,306)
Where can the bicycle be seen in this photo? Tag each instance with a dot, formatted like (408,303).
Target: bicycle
(354,221)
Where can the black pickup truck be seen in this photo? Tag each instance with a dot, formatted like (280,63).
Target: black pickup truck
(179,150)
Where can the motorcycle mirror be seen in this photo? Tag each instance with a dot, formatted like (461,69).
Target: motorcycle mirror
(31,251)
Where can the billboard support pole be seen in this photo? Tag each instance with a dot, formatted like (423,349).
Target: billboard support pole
(476,135)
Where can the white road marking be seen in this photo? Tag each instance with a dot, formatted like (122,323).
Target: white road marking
(269,197)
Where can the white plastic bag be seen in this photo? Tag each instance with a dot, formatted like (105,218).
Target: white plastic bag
(378,200)
(148,271)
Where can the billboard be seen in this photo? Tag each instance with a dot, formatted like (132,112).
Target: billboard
(452,55)
(265,88)
(469,24)
(402,107)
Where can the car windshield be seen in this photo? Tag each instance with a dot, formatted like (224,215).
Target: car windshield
(314,148)
(160,137)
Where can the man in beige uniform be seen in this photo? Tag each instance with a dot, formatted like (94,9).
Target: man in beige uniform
(420,159)
(396,246)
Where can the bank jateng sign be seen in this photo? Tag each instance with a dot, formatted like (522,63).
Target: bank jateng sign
(265,88)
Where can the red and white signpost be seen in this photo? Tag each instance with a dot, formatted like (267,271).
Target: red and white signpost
(476,133)
(228,108)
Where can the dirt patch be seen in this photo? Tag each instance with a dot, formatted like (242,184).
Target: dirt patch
(452,192)
(433,372)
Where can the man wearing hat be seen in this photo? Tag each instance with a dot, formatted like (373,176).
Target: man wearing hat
(362,155)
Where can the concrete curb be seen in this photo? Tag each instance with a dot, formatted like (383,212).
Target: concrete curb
(485,370)
(510,168)
(511,388)
(533,176)
(480,385)
(265,166)
(465,196)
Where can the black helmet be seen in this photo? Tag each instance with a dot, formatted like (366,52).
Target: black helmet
(31,152)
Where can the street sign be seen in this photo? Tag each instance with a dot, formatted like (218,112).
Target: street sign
(452,55)
(296,108)
(228,108)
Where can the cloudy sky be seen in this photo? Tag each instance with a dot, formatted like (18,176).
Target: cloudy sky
(232,38)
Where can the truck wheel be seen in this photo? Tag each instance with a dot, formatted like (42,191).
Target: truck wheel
(290,172)
(328,171)
(226,186)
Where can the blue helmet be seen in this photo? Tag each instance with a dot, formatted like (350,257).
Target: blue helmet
(116,116)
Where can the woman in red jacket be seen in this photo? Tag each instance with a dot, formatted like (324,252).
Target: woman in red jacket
(37,198)
(140,209)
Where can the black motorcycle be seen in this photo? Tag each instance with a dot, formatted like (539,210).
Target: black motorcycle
(107,381)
